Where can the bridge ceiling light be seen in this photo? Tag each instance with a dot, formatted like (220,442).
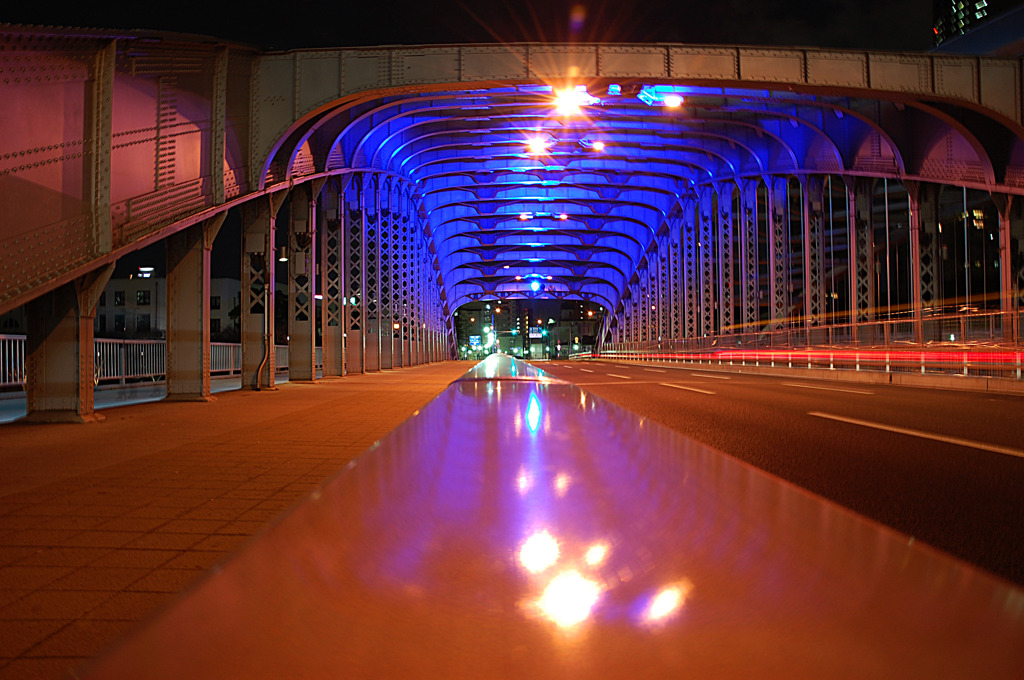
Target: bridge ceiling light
(525,216)
(536,146)
(569,102)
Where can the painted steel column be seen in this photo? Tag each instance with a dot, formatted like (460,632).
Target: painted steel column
(188,311)
(665,286)
(691,267)
(706,249)
(415,292)
(814,245)
(1004,204)
(399,357)
(371,274)
(862,254)
(726,256)
(748,256)
(386,272)
(676,282)
(644,316)
(923,199)
(778,250)
(354,262)
(332,283)
(59,351)
(302,282)
(258,260)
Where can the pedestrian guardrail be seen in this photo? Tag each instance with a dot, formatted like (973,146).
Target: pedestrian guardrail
(127,361)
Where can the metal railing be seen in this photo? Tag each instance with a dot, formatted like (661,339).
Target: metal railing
(127,361)
(1005,364)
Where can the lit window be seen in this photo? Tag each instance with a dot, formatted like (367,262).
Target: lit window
(142,297)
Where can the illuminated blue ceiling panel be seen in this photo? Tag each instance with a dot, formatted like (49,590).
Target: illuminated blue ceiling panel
(530,192)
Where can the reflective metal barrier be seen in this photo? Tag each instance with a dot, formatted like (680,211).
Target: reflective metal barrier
(124,361)
(518,527)
(12,360)
(978,363)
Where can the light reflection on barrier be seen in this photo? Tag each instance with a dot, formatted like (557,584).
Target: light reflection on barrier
(447,551)
(992,364)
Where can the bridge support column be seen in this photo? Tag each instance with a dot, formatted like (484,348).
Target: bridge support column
(706,249)
(814,257)
(386,268)
(371,272)
(748,256)
(1011,264)
(665,287)
(258,260)
(691,282)
(188,311)
(862,257)
(59,352)
(726,258)
(332,284)
(302,240)
(677,284)
(354,263)
(924,220)
(403,268)
(778,251)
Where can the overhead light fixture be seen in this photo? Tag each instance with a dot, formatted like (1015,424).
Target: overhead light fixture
(537,146)
(670,96)
(534,286)
(569,102)
(525,216)
(598,146)
(282,254)
(563,216)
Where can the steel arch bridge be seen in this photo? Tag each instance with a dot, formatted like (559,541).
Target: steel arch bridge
(694,192)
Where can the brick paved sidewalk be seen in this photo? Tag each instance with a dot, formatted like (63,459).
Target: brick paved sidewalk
(101,525)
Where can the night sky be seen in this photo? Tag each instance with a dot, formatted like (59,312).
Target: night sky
(869,24)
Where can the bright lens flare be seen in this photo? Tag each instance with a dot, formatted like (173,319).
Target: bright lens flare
(536,146)
(569,598)
(666,603)
(596,554)
(562,482)
(539,552)
(568,102)
(524,482)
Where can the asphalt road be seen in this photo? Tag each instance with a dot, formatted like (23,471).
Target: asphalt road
(943,466)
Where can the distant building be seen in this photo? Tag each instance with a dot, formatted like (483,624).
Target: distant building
(956,17)
(136,307)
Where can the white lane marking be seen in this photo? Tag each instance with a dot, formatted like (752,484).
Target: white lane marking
(586,370)
(830,389)
(686,387)
(924,435)
(655,370)
(624,377)
(716,377)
